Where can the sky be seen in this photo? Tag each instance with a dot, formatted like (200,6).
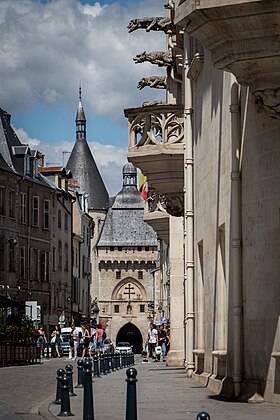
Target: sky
(49,47)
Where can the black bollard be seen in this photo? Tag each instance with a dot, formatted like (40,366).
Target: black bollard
(80,367)
(106,363)
(113,356)
(96,372)
(133,362)
(65,410)
(60,373)
(118,361)
(203,416)
(69,374)
(131,403)
(88,413)
(48,351)
(121,360)
(102,365)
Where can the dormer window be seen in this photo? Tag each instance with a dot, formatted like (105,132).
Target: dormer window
(26,164)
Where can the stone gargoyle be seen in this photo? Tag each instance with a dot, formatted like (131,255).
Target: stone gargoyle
(161,58)
(157,82)
(151,24)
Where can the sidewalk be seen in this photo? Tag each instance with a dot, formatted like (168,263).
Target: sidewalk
(163,393)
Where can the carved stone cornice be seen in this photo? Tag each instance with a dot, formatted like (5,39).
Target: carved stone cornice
(243,37)
(268,100)
(175,204)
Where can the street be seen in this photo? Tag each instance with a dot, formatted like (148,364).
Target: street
(162,393)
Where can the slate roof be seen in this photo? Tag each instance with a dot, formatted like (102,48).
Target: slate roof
(12,151)
(84,170)
(124,224)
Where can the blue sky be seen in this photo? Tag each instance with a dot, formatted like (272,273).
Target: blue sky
(49,47)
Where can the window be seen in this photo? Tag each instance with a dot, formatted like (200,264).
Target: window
(112,248)
(2,201)
(66,258)
(12,204)
(140,275)
(119,248)
(142,308)
(34,264)
(59,255)
(54,258)
(76,290)
(66,222)
(35,211)
(22,216)
(1,254)
(139,248)
(146,248)
(22,262)
(88,235)
(59,219)
(118,275)
(46,214)
(44,267)
(117,309)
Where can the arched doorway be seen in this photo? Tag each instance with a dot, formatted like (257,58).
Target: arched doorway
(129,332)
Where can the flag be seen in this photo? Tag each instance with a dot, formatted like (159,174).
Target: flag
(143,186)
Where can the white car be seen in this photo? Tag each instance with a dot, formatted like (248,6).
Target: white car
(123,347)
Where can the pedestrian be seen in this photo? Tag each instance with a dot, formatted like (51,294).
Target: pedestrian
(152,341)
(56,340)
(41,340)
(162,341)
(86,337)
(99,338)
(74,342)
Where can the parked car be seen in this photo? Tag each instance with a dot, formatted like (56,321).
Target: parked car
(108,345)
(123,347)
(65,344)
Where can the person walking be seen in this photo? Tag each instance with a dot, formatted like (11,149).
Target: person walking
(86,337)
(74,342)
(152,341)
(99,338)
(41,340)
(162,340)
(56,340)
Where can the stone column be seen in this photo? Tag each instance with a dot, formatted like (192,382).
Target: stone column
(176,353)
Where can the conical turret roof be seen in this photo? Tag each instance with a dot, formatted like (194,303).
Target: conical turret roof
(83,167)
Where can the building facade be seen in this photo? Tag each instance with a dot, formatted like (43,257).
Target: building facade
(128,280)
(222,67)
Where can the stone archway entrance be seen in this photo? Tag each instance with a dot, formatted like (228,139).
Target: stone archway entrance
(129,332)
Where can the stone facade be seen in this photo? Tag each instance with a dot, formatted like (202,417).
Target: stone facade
(229,52)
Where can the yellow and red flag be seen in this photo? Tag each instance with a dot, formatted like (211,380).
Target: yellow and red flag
(143,186)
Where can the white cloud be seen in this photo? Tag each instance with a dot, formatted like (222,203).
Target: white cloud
(109,158)
(46,49)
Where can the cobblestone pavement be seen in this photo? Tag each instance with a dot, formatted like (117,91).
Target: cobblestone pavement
(163,393)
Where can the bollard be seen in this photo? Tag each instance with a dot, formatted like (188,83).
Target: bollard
(65,410)
(80,367)
(133,361)
(88,413)
(203,416)
(60,373)
(96,372)
(69,374)
(131,403)
(113,358)
(48,351)
(118,361)
(102,365)
(110,367)
(106,363)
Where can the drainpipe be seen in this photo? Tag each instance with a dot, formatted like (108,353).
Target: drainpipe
(236,241)
(189,215)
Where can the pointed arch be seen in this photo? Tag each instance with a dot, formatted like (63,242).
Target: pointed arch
(124,282)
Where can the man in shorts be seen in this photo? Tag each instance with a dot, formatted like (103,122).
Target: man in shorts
(152,341)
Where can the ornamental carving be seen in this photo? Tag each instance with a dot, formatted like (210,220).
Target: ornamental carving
(268,100)
(161,58)
(151,24)
(156,201)
(175,204)
(157,82)
(157,127)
